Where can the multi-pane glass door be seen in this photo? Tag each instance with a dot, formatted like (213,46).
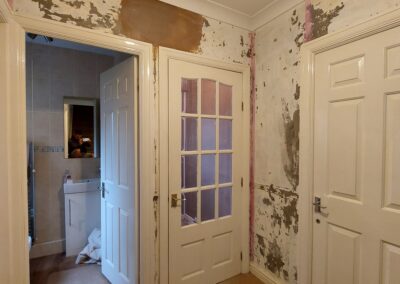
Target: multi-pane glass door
(206,150)
(204,161)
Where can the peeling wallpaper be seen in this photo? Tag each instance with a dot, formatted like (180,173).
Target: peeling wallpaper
(277,89)
(277,123)
(277,143)
(150,21)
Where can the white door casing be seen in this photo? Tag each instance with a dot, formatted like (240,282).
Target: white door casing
(119,218)
(356,239)
(203,247)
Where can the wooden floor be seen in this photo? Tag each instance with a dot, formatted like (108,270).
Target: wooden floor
(243,279)
(41,268)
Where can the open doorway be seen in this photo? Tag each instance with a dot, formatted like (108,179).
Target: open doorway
(81,118)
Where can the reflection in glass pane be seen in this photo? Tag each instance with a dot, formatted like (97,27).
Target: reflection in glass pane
(208,101)
(189,134)
(225,99)
(224,201)
(207,169)
(189,95)
(208,134)
(225,168)
(189,208)
(189,171)
(225,134)
(207,204)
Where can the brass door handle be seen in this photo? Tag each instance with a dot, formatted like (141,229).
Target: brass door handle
(175,200)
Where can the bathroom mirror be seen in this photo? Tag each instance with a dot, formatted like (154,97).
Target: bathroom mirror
(81,128)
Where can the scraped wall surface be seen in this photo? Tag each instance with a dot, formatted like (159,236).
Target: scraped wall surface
(150,21)
(277,123)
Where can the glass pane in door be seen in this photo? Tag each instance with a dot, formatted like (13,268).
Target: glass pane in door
(188,208)
(225,134)
(224,201)
(225,168)
(189,134)
(207,169)
(208,96)
(189,171)
(208,129)
(225,100)
(189,95)
(207,204)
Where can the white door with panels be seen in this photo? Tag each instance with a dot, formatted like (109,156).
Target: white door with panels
(205,118)
(356,221)
(118,172)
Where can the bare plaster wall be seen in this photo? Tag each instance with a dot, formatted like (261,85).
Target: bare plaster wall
(277,124)
(147,20)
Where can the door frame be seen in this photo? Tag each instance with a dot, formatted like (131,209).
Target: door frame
(165,54)
(15,76)
(309,51)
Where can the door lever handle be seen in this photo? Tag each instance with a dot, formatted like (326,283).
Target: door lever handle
(317,204)
(175,200)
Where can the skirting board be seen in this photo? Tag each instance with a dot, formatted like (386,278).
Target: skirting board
(47,248)
(264,275)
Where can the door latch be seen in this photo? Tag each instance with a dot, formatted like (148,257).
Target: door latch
(317,204)
(102,189)
(175,200)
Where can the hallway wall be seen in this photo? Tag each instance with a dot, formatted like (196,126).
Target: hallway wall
(277,113)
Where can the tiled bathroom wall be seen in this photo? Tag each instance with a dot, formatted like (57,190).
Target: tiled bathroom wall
(53,73)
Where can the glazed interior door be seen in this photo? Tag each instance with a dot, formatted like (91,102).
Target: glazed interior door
(357,162)
(204,173)
(118,173)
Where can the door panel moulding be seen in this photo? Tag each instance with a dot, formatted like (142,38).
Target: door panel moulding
(147,132)
(309,51)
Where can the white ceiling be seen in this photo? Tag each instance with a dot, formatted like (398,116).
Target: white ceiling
(247,7)
(247,14)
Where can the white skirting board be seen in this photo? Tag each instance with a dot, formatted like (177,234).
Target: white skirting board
(264,275)
(47,248)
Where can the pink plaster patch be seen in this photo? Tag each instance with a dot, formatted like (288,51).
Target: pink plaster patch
(252,62)
(308,22)
(11,3)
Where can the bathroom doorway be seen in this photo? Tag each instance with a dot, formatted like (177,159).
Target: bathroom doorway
(81,131)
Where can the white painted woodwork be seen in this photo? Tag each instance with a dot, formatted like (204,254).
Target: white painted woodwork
(357,162)
(118,100)
(206,251)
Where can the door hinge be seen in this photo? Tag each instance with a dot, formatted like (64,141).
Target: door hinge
(241,256)
(242,106)
(241,182)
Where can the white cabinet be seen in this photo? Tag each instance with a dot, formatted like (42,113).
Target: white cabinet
(82,215)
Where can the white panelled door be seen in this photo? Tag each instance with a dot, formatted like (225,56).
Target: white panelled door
(118,172)
(205,121)
(357,162)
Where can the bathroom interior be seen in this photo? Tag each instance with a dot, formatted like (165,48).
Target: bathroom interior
(63,132)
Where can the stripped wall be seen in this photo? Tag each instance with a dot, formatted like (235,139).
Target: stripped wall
(277,122)
(147,20)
